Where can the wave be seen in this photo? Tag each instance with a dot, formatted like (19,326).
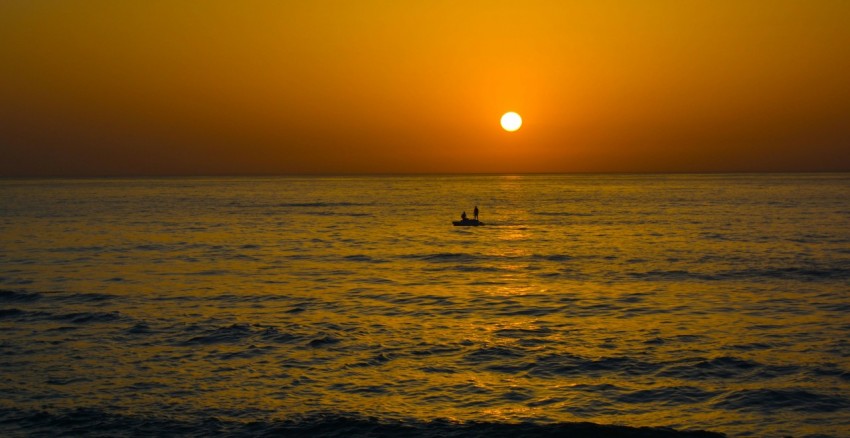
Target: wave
(464,268)
(409,299)
(676,395)
(785,399)
(772,274)
(362,258)
(74,318)
(561,213)
(725,367)
(326,204)
(236,334)
(81,297)
(9,296)
(88,317)
(443,257)
(98,422)
(516,359)
(553,257)
(323,204)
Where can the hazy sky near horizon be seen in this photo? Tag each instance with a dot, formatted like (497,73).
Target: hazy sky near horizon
(101,88)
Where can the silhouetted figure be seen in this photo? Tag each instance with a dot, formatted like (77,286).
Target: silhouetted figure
(475,213)
(463,216)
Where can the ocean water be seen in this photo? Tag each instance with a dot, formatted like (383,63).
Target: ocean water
(351,305)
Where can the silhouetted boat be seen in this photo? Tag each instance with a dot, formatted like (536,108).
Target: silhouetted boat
(467,223)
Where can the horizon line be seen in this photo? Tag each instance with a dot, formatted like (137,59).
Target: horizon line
(406,174)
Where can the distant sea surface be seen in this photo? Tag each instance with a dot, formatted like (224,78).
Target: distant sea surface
(198,306)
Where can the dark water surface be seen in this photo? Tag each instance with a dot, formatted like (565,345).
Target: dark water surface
(322,306)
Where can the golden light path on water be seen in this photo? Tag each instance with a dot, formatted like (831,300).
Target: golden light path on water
(694,302)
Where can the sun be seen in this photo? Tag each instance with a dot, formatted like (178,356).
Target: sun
(511,121)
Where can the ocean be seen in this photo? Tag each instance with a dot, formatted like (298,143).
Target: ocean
(338,306)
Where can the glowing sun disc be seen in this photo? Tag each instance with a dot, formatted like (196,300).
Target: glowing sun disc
(511,121)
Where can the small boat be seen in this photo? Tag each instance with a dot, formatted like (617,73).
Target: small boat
(467,223)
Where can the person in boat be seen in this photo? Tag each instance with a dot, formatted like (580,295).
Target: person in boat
(475,213)
(463,216)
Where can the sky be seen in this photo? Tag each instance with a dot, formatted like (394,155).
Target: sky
(170,87)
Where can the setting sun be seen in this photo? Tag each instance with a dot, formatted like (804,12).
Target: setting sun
(511,121)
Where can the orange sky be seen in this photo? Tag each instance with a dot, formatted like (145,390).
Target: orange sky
(100,88)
